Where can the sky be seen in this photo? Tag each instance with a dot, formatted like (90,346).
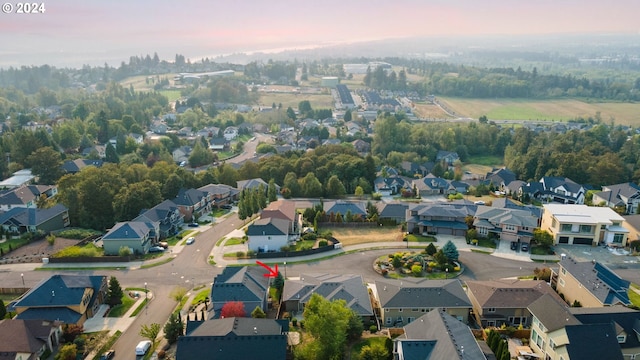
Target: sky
(75,32)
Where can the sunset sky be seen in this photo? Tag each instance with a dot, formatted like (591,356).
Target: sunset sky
(81,31)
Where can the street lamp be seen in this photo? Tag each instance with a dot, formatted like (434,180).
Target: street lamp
(22,276)
(446,272)
(285,269)
(145,299)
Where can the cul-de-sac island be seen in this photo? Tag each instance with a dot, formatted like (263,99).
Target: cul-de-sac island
(480,204)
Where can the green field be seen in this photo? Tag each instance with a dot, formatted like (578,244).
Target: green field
(320,101)
(487,160)
(544,110)
(172,95)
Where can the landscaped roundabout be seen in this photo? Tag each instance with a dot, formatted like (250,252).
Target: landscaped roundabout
(430,263)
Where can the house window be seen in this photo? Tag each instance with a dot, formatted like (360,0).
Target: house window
(415,310)
(509,227)
(585,229)
(617,238)
(621,339)
(389,320)
(552,344)
(399,310)
(564,271)
(410,319)
(565,227)
(491,310)
(534,336)
(561,282)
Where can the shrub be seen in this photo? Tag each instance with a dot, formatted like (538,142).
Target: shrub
(373,328)
(416,270)
(322,243)
(77,234)
(285,248)
(251,253)
(309,236)
(240,254)
(294,321)
(51,239)
(474,242)
(124,251)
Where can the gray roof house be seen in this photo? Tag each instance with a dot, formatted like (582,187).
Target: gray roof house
(246,284)
(392,211)
(234,338)
(21,220)
(347,287)
(501,178)
(192,203)
(435,336)
(70,299)
(403,301)
(433,185)
(626,196)
(625,320)
(135,235)
(438,218)
(449,157)
(562,190)
(168,217)
(251,184)
(357,208)
(29,338)
(508,224)
(268,234)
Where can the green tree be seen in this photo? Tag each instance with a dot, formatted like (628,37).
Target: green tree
(291,114)
(291,183)
(335,188)
(258,313)
(272,194)
(132,199)
(3,310)
(114,296)
(178,293)
(543,238)
(311,186)
(359,191)
(304,109)
(431,249)
(151,332)
(67,352)
(450,251)
(46,165)
(174,328)
(201,155)
(327,323)
(375,351)
(110,154)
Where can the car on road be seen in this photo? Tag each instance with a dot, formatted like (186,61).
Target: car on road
(193,224)
(524,247)
(143,347)
(108,355)
(514,245)
(190,240)
(156,249)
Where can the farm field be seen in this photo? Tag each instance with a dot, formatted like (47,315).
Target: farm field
(429,111)
(352,236)
(544,110)
(320,101)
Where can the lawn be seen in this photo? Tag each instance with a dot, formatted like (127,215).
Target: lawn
(352,236)
(120,310)
(420,238)
(234,241)
(172,95)
(544,110)
(357,347)
(319,101)
(12,244)
(634,297)
(303,245)
(486,160)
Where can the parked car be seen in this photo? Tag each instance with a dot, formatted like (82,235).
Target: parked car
(193,224)
(143,347)
(108,355)
(514,245)
(155,249)
(226,207)
(479,202)
(164,244)
(524,247)
(190,240)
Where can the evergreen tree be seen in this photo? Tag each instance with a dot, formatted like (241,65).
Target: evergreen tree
(3,310)
(111,155)
(258,313)
(272,194)
(174,328)
(450,251)
(114,296)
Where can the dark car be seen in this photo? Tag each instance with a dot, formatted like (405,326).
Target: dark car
(524,247)
(226,207)
(156,249)
(194,224)
(514,245)
(108,355)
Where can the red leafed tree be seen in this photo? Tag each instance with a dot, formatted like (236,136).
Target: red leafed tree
(233,309)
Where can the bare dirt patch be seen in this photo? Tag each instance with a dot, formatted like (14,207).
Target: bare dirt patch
(352,236)
(35,251)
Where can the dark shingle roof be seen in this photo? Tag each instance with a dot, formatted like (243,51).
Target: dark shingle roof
(27,336)
(342,207)
(415,293)
(453,338)
(31,216)
(246,283)
(552,313)
(127,230)
(268,226)
(625,318)
(392,210)
(189,197)
(508,293)
(593,341)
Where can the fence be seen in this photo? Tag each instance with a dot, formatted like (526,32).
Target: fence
(88,259)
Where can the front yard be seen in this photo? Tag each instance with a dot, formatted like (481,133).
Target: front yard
(352,236)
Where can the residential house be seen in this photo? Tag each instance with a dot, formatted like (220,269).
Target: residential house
(307,142)
(501,178)
(350,288)
(268,234)
(187,131)
(562,190)
(515,188)
(99,151)
(590,283)
(70,299)
(240,283)
(392,212)
(624,196)
(438,218)
(586,225)
(20,178)
(391,185)
(361,146)
(432,185)
(353,128)
(135,235)
(230,133)
(158,127)
(218,144)
(461,187)
(192,203)
(22,220)
(220,194)
(632,224)
(308,124)
(416,170)
(506,224)
(505,301)
(181,154)
(28,339)
(403,301)
(625,320)
(332,141)
(166,215)
(286,210)
(74,166)
(437,335)
(234,338)
(558,335)
(209,132)
(357,209)
(252,184)
(137,138)
(447,157)
(26,196)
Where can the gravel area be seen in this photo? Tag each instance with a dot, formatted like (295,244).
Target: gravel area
(35,251)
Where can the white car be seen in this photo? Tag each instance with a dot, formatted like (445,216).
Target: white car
(190,240)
